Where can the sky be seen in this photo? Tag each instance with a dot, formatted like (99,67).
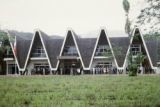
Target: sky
(56,16)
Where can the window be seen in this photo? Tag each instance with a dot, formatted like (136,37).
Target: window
(135,49)
(9,53)
(101,49)
(38,52)
(70,51)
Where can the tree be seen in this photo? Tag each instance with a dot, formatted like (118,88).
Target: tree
(135,62)
(126,7)
(3,48)
(150,15)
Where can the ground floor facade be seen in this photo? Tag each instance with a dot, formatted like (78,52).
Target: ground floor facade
(73,67)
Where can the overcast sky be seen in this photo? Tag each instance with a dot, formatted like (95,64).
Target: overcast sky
(55,16)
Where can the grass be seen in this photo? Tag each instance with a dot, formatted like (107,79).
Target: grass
(80,91)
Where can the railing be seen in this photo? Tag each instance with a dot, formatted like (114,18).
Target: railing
(70,54)
(9,56)
(102,54)
(38,55)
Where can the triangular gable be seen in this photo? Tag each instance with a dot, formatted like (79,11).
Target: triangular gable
(36,40)
(138,38)
(12,47)
(103,39)
(120,47)
(86,47)
(53,48)
(44,40)
(22,49)
(69,42)
(70,35)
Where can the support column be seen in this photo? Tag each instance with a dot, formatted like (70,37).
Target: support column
(61,70)
(71,71)
(43,71)
(82,72)
(28,72)
(124,71)
(7,68)
(15,69)
(50,72)
(93,71)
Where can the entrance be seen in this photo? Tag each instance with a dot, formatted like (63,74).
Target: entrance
(103,67)
(42,69)
(69,67)
(12,69)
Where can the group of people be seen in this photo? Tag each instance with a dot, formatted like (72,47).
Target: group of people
(104,70)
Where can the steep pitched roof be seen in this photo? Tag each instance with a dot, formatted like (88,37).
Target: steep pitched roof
(103,39)
(37,40)
(86,47)
(152,46)
(71,35)
(137,34)
(53,47)
(23,41)
(120,46)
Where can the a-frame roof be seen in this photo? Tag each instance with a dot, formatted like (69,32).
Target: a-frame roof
(23,41)
(86,47)
(71,34)
(134,33)
(153,46)
(103,33)
(120,47)
(37,34)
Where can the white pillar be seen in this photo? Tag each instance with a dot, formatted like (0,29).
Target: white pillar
(124,71)
(43,71)
(93,70)
(61,70)
(50,72)
(15,68)
(82,72)
(71,71)
(7,68)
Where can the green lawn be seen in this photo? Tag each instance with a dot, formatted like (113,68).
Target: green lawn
(81,91)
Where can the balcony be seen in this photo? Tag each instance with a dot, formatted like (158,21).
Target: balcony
(70,54)
(41,55)
(9,56)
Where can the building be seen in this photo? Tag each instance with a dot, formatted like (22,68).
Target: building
(43,54)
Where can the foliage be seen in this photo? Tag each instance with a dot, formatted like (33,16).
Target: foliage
(5,42)
(108,55)
(132,69)
(134,62)
(126,7)
(79,91)
(150,15)
(5,46)
(116,50)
